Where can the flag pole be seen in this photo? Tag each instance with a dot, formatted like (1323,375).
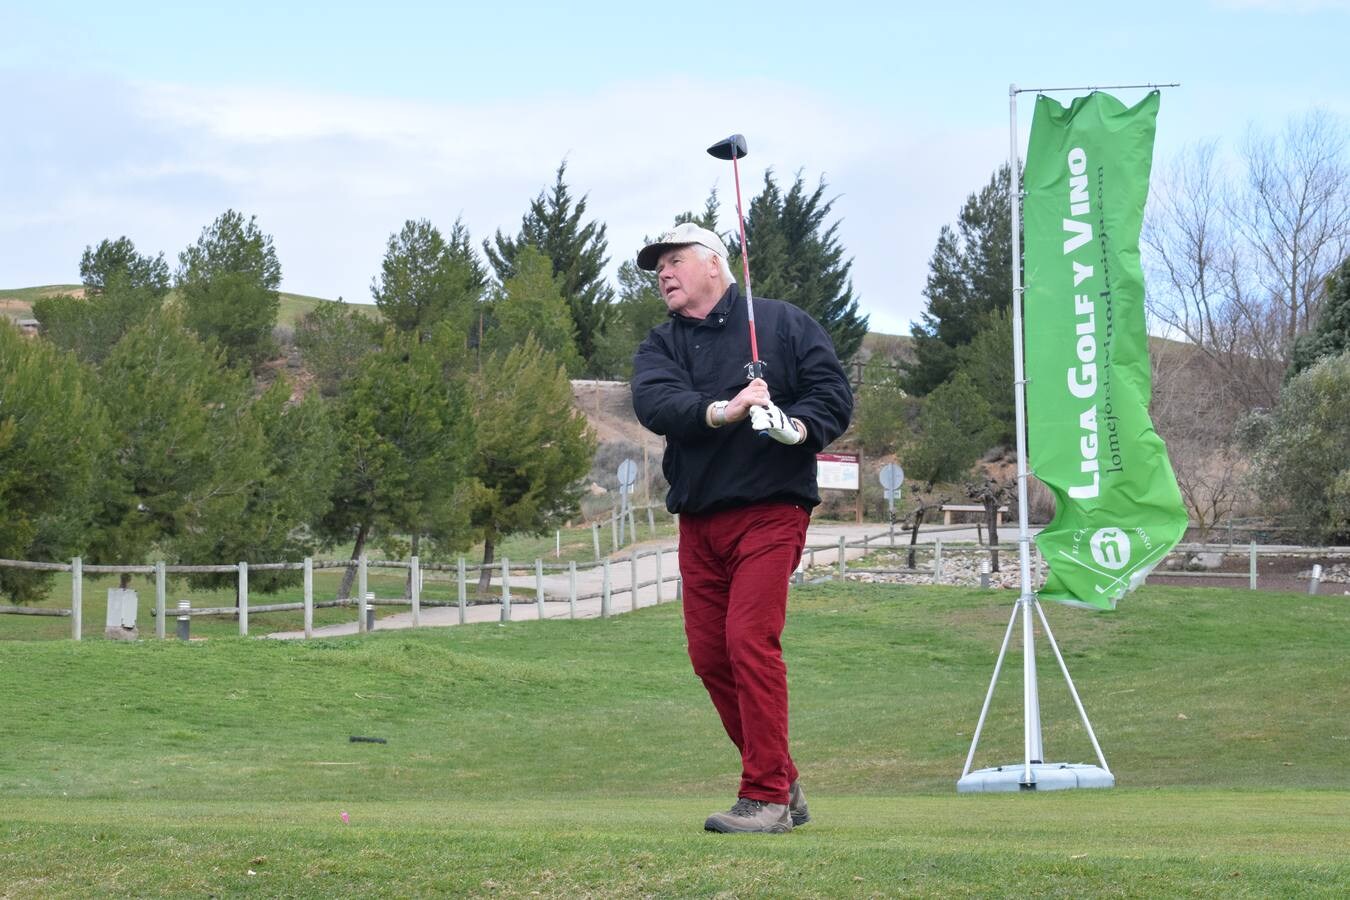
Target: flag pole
(1031,723)
(1033,753)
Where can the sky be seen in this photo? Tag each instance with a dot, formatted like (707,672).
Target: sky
(335,123)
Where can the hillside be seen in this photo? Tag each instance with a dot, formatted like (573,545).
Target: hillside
(17,303)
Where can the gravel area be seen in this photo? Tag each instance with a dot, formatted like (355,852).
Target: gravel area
(1274,573)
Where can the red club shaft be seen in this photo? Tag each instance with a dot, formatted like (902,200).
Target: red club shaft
(745,262)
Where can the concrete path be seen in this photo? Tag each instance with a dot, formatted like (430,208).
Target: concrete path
(822,543)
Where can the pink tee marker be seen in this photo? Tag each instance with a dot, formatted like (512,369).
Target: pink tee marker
(345,818)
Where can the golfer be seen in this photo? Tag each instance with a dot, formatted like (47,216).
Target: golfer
(741,461)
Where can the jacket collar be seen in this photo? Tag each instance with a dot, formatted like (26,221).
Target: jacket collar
(717,316)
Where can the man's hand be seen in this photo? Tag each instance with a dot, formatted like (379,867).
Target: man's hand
(756,393)
(769,419)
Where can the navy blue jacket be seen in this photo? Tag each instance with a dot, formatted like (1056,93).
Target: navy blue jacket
(684,364)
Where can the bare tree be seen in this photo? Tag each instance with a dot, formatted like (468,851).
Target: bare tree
(1213,482)
(1294,214)
(1237,265)
(922,507)
(1197,284)
(991,493)
(1185,233)
(1194,412)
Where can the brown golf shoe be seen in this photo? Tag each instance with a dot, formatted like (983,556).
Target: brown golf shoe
(797,805)
(751,816)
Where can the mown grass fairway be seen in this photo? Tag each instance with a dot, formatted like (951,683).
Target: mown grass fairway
(579,758)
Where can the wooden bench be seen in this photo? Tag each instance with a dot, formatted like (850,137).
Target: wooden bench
(949,508)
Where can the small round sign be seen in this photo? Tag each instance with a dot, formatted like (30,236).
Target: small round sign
(627,473)
(892,476)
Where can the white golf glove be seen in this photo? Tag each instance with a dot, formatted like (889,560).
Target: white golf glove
(775,423)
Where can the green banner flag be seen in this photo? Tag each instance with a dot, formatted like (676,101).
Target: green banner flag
(1117,508)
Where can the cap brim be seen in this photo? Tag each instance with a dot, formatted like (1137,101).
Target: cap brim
(648,255)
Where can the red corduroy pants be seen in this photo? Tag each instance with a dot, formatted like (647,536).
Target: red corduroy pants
(735,565)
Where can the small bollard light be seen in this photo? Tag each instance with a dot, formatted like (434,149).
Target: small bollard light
(370,611)
(1316,578)
(184,621)
(984,573)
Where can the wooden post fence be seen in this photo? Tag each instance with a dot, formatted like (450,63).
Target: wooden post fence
(539,587)
(309,597)
(415,586)
(572,590)
(361,578)
(76,597)
(243,599)
(160,591)
(463,590)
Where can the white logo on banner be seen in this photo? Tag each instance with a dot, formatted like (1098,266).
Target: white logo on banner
(1111,548)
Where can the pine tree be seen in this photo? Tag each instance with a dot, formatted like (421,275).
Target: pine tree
(426,279)
(988,361)
(118,261)
(121,288)
(533,447)
(795,257)
(333,339)
(555,225)
(284,499)
(955,427)
(969,276)
(185,447)
(530,302)
(880,424)
(228,281)
(1331,337)
(91,325)
(406,444)
(53,450)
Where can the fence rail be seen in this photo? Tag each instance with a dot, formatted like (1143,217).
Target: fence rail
(32,611)
(513,580)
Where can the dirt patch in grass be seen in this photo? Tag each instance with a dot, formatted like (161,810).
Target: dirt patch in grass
(1273,573)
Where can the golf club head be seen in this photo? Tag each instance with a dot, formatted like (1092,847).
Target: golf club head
(731,148)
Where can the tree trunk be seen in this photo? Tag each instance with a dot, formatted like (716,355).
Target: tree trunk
(914,534)
(991,518)
(485,573)
(124,580)
(348,576)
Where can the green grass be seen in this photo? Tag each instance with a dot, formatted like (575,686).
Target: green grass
(579,758)
(1123,844)
(294,307)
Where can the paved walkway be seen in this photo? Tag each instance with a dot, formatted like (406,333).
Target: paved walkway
(822,543)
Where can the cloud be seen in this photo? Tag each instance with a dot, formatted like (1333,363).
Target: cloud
(330,176)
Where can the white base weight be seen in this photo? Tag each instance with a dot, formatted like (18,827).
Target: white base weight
(1045,777)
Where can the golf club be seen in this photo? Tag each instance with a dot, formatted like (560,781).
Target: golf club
(733,148)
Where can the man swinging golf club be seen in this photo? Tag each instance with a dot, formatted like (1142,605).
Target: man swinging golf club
(740,459)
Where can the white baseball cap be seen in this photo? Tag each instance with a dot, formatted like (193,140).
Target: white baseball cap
(679,236)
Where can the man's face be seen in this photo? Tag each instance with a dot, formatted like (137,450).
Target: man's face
(690,284)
